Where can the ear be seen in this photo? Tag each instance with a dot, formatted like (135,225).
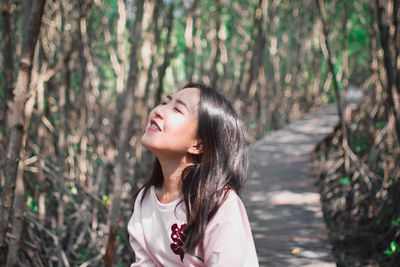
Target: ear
(196,148)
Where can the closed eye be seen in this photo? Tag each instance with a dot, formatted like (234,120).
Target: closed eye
(177,109)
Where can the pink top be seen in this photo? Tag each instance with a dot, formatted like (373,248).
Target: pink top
(155,234)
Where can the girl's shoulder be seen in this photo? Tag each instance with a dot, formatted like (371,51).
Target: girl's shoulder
(143,195)
(232,198)
(232,207)
(232,195)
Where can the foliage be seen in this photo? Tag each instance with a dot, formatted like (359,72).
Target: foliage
(266,56)
(361,207)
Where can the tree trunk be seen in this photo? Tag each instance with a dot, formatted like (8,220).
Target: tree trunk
(18,218)
(19,199)
(167,57)
(16,117)
(117,57)
(121,44)
(152,75)
(8,64)
(149,49)
(328,54)
(10,173)
(123,137)
(189,32)
(62,154)
(215,46)
(276,88)
(391,55)
(345,48)
(250,79)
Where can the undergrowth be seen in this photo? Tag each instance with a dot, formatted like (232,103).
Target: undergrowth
(361,196)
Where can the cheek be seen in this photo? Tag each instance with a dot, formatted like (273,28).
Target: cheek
(184,127)
(177,135)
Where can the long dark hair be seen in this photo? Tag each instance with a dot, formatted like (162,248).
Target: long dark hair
(220,168)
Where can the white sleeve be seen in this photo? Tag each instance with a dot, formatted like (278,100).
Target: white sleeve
(228,240)
(137,238)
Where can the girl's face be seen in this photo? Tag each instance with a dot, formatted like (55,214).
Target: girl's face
(172,125)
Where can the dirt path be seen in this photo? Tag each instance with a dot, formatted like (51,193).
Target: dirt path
(281,198)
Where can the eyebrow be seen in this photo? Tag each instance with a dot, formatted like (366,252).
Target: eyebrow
(179,101)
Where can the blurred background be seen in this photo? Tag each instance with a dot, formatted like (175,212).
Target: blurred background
(78,78)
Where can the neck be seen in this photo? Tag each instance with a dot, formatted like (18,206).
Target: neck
(172,170)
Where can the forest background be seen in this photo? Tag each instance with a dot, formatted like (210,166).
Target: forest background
(78,78)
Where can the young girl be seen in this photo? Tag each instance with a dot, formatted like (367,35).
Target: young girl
(189,212)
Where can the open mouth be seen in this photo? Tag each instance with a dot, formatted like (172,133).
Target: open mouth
(154,126)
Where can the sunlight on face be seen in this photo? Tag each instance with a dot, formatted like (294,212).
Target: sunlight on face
(172,125)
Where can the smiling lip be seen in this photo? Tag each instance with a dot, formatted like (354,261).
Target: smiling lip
(152,129)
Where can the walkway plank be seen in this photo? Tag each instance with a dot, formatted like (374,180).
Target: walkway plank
(282,202)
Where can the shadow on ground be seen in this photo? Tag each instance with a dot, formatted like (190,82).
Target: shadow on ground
(281,200)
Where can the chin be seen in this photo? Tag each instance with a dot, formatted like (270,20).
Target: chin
(149,145)
(145,143)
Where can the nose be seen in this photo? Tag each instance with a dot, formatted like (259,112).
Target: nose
(159,111)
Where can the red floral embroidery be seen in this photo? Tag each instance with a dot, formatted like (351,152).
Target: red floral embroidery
(178,238)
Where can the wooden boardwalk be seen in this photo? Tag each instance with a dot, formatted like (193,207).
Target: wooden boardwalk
(281,198)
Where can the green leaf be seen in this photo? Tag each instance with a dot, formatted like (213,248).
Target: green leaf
(32,205)
(345,181)
(388,252)
(106,199)
(379,125)
(99,162)
(393,246)
(73,190)
(396,222)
